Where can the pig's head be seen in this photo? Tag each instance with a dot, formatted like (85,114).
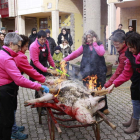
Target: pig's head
(96,104)
(83,109)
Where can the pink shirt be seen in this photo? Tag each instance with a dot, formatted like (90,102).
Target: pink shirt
(24,66)
(127,72)
(99,50)
(9,71)
(34,55)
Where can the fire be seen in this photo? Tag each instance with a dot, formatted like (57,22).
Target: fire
(92,82)
(63,68)
(62,78)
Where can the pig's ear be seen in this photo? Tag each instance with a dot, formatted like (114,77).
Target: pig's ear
(101,104)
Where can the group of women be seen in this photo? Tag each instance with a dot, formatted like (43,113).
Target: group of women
(13,63)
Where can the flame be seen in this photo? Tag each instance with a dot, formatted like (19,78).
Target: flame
(63,68)
(92,82)
(62,78)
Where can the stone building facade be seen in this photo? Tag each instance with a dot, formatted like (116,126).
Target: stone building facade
(77,16)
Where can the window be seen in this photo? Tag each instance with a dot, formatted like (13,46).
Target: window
(133,23)
(43,23)
(59,21)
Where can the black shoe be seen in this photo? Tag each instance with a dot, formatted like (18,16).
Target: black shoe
(138,138)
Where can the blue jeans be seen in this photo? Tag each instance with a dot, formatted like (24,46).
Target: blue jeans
(112,47)
(136,109)
(14,128)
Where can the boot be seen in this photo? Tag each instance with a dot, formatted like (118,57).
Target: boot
(106,112)
(133,127)
(138,138)
(128,123)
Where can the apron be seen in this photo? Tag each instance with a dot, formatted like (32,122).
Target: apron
(11,89)
(135,86)
(43,58)
(93,64)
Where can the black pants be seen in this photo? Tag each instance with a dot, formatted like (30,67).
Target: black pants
(7,107)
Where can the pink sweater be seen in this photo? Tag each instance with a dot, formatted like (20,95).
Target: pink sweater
(34,55)
(9,71)
(127,72)
(99,50)
(24,66)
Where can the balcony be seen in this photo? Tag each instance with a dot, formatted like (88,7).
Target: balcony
(30,7)
(128,3)
(4,11)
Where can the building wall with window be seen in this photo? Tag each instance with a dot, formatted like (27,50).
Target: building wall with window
(70,17)
(128,15)
(112,1)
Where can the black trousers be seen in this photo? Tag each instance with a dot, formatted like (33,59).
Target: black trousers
(7,107)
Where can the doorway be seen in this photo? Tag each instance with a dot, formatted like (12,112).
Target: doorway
(133,23)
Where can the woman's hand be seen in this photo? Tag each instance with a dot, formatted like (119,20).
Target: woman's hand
(49,70)
(45,89)
(110,88)
(94,39)
(63,62)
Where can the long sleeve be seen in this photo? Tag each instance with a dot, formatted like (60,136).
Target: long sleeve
(50,59)
(126,74)
(15,74)
(70,40)
(35,58)
(59,39)
(24,66)
(118,71)
(54,46)
(74,54)
(99,49)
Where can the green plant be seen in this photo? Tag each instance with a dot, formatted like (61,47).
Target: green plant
(78,63)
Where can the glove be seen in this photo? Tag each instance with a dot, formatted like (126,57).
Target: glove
(45,89)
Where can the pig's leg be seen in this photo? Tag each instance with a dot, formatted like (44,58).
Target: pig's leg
(45,98)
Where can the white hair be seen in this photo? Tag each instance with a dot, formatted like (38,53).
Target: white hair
(12,37)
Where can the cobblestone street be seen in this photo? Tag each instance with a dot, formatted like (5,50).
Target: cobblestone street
(119,106)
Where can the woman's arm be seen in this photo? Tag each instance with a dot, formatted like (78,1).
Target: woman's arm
(126,74)
(74,54)
(50,59)
(99,49)
(118,71)
(24,66)
(20,80)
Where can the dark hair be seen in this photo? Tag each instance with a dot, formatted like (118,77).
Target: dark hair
(130,26)
(120,25)
(41,33)
(2,34)
(25,40)
(134,41)
(64,29)
(118,37)
(65,41)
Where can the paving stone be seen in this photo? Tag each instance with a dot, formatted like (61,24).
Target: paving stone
(120,108)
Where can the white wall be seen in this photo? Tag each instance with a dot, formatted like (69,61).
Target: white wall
(11,5)
(30,6)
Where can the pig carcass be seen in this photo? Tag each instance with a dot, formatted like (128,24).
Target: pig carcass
(75,100)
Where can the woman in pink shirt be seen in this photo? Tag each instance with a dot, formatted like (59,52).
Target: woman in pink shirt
(24,67)
(40,55)
(131,71)
(93,62)
(10,77)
